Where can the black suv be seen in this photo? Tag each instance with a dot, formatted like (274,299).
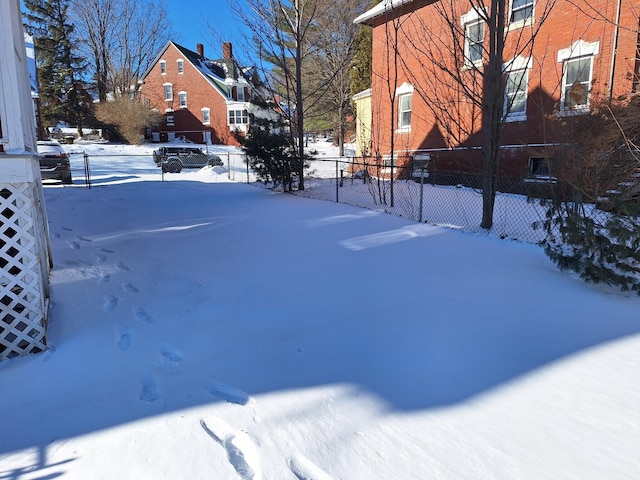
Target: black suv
(174,159)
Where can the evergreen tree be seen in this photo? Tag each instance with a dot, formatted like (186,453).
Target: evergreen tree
(271,153)
(62,95)
(361,66)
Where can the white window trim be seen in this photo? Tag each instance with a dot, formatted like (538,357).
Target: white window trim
(521,23)
(208,111)
(519,63)
(236,109)
(180,62)
(164,87)
(404,89)
(472,17)
(180,94)
(578,49)
(163,67)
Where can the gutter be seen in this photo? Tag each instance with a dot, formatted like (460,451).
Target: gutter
(379,10)
(614,53)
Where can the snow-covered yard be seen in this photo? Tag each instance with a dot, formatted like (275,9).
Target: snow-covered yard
(203,329)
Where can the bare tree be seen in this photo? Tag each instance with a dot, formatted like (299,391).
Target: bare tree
(328,70)
(121,39)
(282,32)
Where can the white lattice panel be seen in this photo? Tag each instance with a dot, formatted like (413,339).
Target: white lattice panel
(24,270)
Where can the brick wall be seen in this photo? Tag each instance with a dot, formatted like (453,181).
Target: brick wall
(442,117)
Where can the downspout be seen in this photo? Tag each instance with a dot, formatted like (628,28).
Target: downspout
(614,53)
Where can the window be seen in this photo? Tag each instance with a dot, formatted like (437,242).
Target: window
(240,94)
(182,97)
(576,83)
(206,118)
(473,48)
(521,11)
(238,117)
(540,168)
(170,121)
(577,75)
(515,93)
(163,67)
(168,92)
(404,111)
(180,66)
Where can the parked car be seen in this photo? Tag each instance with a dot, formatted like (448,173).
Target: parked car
(174,159)
(54,161)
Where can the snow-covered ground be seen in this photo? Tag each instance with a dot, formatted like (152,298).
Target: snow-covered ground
(202,328)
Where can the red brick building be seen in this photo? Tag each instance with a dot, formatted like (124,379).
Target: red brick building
(202,100)
(428,58)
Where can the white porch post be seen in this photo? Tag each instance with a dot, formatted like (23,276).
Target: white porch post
(25,258)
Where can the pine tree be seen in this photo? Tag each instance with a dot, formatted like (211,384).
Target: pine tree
(62,95)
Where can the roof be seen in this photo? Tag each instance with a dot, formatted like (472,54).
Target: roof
(383,7)
(216,72)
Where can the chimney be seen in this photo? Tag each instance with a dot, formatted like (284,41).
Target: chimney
(200,49)
(227,51)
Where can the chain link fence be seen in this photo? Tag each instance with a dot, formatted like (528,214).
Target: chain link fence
(95,170)
(441,197)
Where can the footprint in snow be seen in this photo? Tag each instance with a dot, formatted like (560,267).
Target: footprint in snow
(122,267)
(170,354)
(227,393)
(124,340)
(110,303)
(128,288)
(304,469)
(142,315)
(74,245)
(67,229)
(241,450)
(85,239)
(104,278)
(106,250)
(55,235)
(149,390)
(100,259)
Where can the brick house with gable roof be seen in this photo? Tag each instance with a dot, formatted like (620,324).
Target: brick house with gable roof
(202,100)
(579,54)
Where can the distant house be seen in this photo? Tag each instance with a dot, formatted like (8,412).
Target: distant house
(579,55)
(202,100)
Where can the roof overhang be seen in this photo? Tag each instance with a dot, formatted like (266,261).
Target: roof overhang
(384,7)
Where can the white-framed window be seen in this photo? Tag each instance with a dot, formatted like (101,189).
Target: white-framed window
(182,98)
(473,42)
(170,120)
(576,83)
(577,75)
(516,88)
(238,117)
(180,66)
(404,111)
(168,91)
(206,116)
(515,93)
(521,11)
(163,67)
(404,99)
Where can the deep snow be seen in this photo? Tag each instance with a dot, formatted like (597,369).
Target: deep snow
(203,329)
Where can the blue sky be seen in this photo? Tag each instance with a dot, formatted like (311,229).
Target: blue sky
(191,17)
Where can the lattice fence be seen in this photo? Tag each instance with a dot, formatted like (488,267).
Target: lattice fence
(24,270)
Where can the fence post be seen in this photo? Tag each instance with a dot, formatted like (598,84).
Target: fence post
(421,193)
(87,174)
(337,185)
